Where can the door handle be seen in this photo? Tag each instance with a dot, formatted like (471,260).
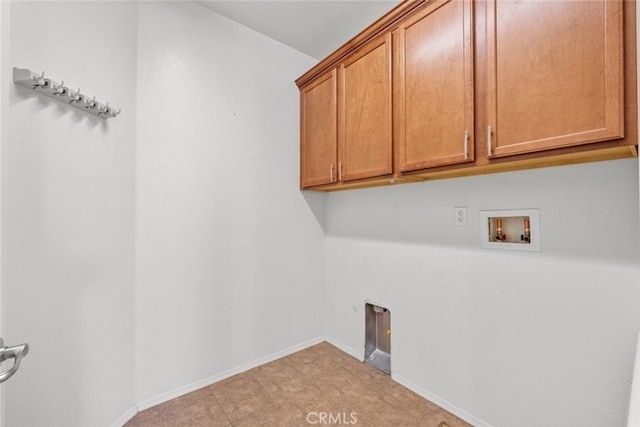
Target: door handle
(16,353)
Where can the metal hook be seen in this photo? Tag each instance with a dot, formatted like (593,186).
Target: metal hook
(39,81)
(60,89)
(75,96)
(105,110)
(92,103)
(109,111)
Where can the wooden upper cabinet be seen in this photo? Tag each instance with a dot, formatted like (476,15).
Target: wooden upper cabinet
(433,63)
(554,74)
(365,112)
(318,131)
(445,88)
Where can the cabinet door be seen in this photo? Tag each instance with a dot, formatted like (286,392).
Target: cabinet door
(318,131)
(554,74)
(434,86)
(365,112)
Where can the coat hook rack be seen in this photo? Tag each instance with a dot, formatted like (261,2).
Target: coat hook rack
(61,93)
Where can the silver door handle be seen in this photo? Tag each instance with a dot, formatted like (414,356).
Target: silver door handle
(16,353)
(466,145)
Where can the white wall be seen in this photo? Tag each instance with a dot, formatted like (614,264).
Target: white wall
(67,211)
(199,171)
(5,84)
(228,251)
(509,338)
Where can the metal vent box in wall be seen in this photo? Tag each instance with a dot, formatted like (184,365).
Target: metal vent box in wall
(377,347)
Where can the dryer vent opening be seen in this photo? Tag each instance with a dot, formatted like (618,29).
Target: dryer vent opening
(377,347)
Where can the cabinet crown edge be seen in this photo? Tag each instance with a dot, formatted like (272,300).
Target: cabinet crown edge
(384,23)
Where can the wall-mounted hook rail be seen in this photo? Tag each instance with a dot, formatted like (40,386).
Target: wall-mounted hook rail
(61,93)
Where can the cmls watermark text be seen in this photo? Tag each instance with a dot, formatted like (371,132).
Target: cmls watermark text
(332,418)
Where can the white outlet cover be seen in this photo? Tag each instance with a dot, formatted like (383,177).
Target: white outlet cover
(460,216)
(534,218)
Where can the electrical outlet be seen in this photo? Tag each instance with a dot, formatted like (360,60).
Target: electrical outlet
(460,216)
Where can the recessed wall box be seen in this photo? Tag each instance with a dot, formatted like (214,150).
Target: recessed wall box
(517,229)
(377,347)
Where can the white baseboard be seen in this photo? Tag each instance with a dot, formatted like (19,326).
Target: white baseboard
(224,375)
(633,414)
(440,402)
(359,355)
(125,417)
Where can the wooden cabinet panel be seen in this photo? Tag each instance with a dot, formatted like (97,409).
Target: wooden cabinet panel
(554,74)
(433,54)
(318,131)
(524,83)
(365,144)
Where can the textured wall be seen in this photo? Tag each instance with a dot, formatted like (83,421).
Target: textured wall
(229,255)
(509,338)
(67,211)
(5,85)
(228,251)
(204,181)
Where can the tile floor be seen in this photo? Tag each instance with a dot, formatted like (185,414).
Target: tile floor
(320,385)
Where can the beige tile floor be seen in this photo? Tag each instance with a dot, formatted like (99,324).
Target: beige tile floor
(320,385)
